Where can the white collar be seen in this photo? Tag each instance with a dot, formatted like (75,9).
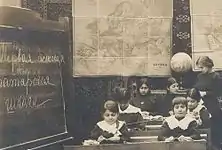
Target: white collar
(201,102)
(130,109)
(197,109)
(183,124)
(114,128)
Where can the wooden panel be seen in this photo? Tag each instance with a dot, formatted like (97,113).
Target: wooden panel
(188,146)
(134,146)
(194,145)
(156,132)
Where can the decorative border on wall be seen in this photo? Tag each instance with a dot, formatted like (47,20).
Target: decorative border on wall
(50,9)
(181,27)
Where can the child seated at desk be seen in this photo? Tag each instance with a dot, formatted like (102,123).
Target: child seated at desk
(127,112)
(179,126)
(110,130)
(196,109)
(144,100)
(172,88)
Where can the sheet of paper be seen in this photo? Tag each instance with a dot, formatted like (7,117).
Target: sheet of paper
(207,30)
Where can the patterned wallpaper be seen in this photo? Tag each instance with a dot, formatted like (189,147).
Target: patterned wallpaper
(53,9)
(50,9)
(181,27)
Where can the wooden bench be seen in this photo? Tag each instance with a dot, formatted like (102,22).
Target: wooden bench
(193,145)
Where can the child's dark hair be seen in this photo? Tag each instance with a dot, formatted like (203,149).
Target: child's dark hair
(205,61)
(121,94)
(111,106)
(194,94)
(171,81)
(179,100)
(143,81)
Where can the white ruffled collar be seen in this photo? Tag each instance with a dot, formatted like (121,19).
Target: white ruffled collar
(183,124)
(114,128)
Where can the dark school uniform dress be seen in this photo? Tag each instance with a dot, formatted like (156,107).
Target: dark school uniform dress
(132,116)
(174,127)
(105,130)
(146,103)
(201,115)
(211,84)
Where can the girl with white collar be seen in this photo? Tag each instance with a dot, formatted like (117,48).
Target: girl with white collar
(197,110)
(110,130)
(179,126)
(127,112)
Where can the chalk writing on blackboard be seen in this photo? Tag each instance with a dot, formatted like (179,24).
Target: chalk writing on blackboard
(14,81)
(31,92)
(23,102)
(50,59)
(10,52)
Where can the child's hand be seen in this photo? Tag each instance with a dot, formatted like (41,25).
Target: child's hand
(101,138)
(145,114)
(202,93)
(184,138)
(114,138)
(90,142)
(171,113)
(187,138)
(181,138)
(169,139)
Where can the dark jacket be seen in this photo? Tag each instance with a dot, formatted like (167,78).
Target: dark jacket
(146,103)
(186,127)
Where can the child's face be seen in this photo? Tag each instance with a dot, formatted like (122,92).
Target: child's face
(192,103)
(180,110)
(203,69)
(174,88)
(144,89)
(110,117)
(123,105)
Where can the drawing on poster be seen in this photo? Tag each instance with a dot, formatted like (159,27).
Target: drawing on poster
(207,31)
(122,37)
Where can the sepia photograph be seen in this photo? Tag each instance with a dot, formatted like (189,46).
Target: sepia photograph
(110,75)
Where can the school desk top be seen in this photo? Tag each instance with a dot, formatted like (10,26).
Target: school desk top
(194,145)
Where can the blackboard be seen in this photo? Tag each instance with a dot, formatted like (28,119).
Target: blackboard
(32,106)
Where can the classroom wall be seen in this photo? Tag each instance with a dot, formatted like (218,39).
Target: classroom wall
(10,3)
(84,95)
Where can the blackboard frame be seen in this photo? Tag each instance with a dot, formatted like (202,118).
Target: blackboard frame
(59,38)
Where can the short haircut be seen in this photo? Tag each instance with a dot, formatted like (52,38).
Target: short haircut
(194,94)
(179,100)
(143,81)
(171,81)
(111,106)
(205,61)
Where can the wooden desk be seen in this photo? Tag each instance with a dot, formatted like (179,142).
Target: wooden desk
(194,145)
(155,130)
(154,122)
(151,135)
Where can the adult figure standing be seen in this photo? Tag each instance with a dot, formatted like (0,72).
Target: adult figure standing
(209,84)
